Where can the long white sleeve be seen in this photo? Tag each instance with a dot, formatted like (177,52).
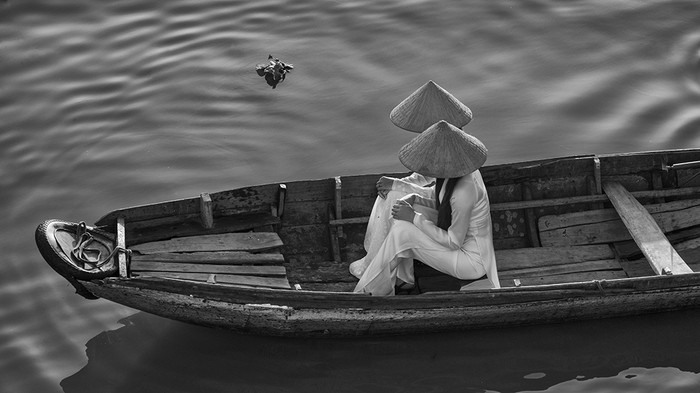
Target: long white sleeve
(415,183)
(462,201)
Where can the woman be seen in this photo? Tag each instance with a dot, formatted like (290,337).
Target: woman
(458,242)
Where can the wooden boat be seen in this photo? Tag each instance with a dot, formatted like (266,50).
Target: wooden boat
(576,237)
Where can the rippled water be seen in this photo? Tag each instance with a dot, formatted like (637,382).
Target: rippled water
(115,103)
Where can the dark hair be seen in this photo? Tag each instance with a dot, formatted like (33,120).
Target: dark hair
(444,209)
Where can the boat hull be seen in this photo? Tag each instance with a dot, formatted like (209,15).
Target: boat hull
(314,314)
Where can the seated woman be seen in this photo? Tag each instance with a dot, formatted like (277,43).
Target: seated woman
(457,240)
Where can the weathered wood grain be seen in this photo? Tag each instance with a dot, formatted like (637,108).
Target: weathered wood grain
(645,231)
(206,214)
(141,266)
(311,299)
(121,244)
(602,226)
(280,320)
(602,215)
(569,268)
(214,257)
(681,239)
(523,258)
(547,168)
(252,281)
(155,230)
(249,241)
(565,277)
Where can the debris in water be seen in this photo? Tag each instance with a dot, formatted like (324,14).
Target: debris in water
(274,72)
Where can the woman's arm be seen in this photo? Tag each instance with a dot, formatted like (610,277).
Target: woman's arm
(415,199)
(415,183)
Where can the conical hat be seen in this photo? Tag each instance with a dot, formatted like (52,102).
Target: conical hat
(443,151)
(428,105)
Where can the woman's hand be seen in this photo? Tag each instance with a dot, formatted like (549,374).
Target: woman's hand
(402,210)
(384,185)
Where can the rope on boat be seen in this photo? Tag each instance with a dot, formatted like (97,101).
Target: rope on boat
(80,250)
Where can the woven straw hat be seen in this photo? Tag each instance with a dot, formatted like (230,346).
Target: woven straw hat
(443,151)
(428,105)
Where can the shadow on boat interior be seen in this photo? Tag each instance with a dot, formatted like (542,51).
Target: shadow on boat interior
(150,353)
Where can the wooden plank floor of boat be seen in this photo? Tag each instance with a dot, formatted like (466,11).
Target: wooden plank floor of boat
(229,259)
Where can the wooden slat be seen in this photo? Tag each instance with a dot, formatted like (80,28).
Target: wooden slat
(605,226)
(530,218)
(348,221)
(637,268)
(217,258)
(567,278)
(206,210)
(253,281)
(338,206)
(522,258)
(121,243)
(645,231)
(551,222)
(153,230)
(208,268)
(578,267)
(537,203)
(228,202)
(250,241)
(680,239)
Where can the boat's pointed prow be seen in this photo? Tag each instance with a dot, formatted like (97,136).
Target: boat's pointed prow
(76,252)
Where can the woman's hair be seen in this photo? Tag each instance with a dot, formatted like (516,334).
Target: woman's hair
(444,209)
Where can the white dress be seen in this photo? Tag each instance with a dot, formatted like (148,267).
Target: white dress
(464,251)
(380,219)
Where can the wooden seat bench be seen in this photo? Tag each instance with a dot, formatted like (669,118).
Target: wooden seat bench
(230,259)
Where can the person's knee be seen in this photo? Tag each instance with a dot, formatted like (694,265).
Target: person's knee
(404,230)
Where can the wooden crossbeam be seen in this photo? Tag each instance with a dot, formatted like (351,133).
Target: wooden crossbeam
(661,255)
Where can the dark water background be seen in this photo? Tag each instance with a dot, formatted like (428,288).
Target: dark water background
(106,104)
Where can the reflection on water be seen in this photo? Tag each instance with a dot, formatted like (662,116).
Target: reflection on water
(626,355)
(110,104)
